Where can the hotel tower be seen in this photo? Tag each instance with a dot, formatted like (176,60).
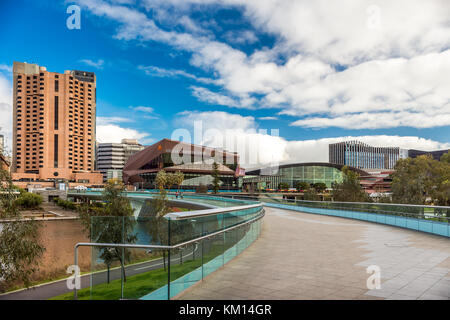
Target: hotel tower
(53,125)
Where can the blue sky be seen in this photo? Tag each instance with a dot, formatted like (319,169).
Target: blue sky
(315,71)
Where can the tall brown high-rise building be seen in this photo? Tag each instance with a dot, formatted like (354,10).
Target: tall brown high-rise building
(53,125)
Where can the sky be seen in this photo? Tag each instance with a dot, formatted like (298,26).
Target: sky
(306,73)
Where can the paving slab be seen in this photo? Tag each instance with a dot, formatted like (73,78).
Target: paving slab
(306,256)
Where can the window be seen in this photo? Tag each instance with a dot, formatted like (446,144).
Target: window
(55,151)
(56,113)
(56,85)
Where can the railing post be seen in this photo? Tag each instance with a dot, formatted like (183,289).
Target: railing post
(75,294)
(168,262)
(203,233)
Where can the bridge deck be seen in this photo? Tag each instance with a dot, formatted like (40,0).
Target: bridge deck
(306,256)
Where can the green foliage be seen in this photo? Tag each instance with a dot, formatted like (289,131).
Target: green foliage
(215,175)
(283,185)
(20,246)
(178,178)
(302,186)
(111,223)
(68,205)
(422,179)
(349,189)
(161,179)
(29,200)
(320,187)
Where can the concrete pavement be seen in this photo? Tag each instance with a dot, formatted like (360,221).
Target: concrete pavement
(307,256)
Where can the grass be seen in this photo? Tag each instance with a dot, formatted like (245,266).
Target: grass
(135,287)
(139,285)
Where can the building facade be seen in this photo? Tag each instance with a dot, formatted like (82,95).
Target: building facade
(111,157)
(53,125)
(360,155)
(310,172)
(196,164)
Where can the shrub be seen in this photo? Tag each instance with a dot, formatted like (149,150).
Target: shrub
(29,200)
(65,204)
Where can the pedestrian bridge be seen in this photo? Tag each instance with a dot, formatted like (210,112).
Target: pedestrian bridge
(299,250)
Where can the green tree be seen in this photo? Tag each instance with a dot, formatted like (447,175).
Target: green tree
(158,225)
(421,180)
(349,189)
(111,223)
(302,186)
(29,200)
(161,180)
(179,178)
(216,179)
(320,187)
(283,185)
(20,246)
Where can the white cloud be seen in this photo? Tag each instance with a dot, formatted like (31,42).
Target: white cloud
(149,112)
(247,139)
(96,64)
(5,67)
(267,118)
(108,130)
(206,95)
(397,68)
(241,37)
(173,73)
(144,109)
(233,132)
(112,120)
(114,133)
(379,120)
(6,111)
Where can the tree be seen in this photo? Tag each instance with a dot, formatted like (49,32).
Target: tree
(422,179)
(20,246)
(179,178)
(161,180)
(112,223)
(29,200)
(159,208)
(349,189)
(320,187)
(283,185)
(216,179)
(302,186)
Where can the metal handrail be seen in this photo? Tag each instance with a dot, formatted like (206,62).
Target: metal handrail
(208,212)
(161,247)
(258,197)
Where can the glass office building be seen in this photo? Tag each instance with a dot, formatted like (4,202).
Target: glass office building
(360,155)
(312,172)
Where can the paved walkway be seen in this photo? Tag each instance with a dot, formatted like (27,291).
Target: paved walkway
(307,256)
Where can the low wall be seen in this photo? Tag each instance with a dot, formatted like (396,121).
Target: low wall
(424,225)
